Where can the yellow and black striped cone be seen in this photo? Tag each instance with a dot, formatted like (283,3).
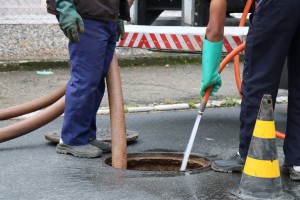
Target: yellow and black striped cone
(261,175)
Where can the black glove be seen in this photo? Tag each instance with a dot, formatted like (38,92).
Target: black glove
(70,21)
(120,30)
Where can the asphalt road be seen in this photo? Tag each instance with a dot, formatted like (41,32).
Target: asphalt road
(31,169)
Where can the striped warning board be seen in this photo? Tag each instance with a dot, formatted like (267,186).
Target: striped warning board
(178,38)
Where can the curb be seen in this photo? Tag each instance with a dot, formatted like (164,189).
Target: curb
(169,107)
(186,106)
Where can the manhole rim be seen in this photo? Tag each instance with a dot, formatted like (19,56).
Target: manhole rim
(194,171)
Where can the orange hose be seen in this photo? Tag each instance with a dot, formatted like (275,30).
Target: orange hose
(117,116)
(230,56)
(237,74)
(245,13)
(237,57)
(34,105)
(40,119)
(280,135)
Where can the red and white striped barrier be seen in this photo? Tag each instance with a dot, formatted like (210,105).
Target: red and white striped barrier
(178,38)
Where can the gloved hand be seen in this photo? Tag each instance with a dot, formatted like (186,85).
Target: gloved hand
(211,58)
(70,21)
(120,30)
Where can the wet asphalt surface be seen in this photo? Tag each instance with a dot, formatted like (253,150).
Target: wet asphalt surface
(31,169)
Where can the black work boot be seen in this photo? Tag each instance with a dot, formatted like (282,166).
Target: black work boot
(288,169)
(82,151)
(234,164)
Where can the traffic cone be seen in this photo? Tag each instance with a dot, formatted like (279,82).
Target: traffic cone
(261,175)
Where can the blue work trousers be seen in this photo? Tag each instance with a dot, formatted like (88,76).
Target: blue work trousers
(90,60)
(274,34)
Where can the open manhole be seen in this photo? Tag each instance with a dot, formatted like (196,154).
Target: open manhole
(162,162)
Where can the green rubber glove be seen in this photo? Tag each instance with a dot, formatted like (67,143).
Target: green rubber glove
(70,21)
(211,58)
(120,30)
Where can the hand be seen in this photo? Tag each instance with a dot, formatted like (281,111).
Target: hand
(215,81)
(120,30)
(211,58)
(70,21)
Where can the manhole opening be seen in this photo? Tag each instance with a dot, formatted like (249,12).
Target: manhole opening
(162,162)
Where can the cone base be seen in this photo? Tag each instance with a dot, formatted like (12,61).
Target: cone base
(238,193)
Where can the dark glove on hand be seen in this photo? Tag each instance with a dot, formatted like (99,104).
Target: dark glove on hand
(120,30)
(70,21)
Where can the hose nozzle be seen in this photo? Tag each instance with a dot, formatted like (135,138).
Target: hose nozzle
(205,100)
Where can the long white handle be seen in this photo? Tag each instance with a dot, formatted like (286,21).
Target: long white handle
(190,144)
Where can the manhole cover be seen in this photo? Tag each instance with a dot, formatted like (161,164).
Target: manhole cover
(164,162)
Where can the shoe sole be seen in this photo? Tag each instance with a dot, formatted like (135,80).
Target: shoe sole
(64,150)
(226,170)
(294,178)
(108,150)
(294,175)
(55,139)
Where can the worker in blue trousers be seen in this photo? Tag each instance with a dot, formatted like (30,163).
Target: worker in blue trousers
(91,27)
(274,34)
